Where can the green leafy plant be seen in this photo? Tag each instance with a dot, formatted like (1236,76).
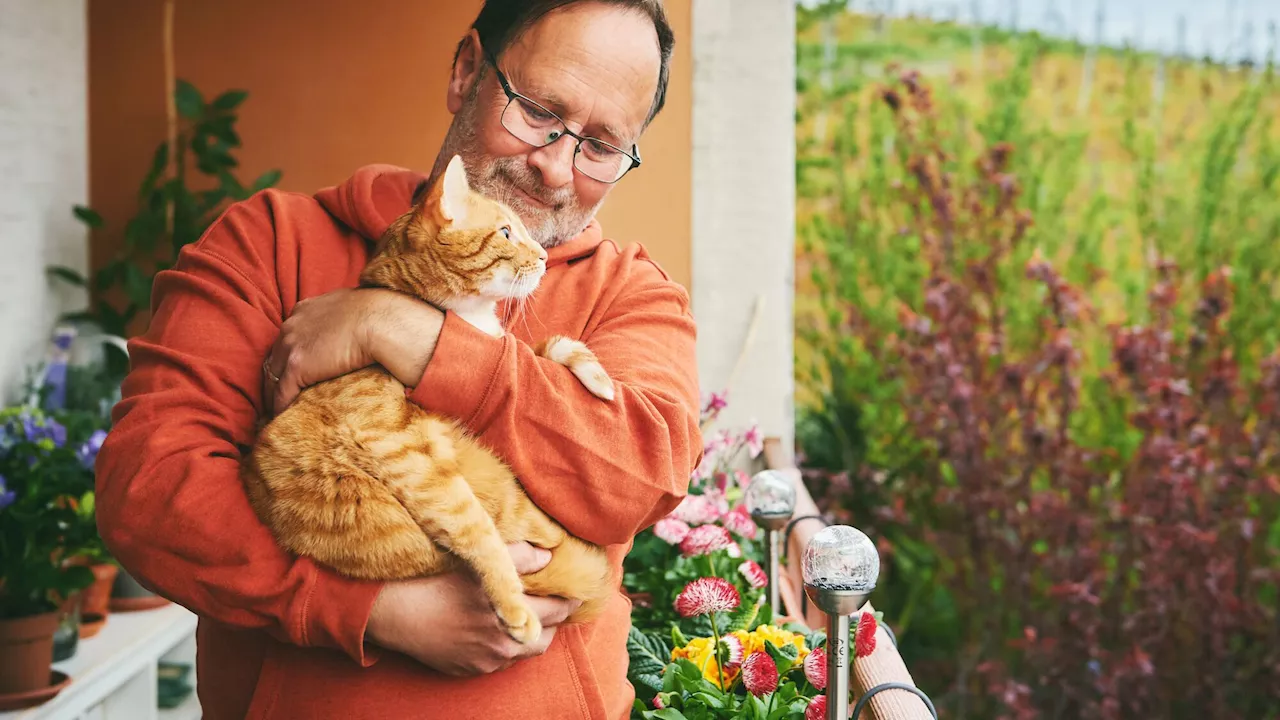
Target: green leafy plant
(45,488)
(178,199)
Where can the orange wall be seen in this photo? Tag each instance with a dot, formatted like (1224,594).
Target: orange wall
(333,85)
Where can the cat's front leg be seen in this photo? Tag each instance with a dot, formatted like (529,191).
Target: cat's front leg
(424,478)
(575,355)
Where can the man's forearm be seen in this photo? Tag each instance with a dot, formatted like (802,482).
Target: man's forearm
(402,333)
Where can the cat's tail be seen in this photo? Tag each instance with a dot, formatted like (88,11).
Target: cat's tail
(575,355)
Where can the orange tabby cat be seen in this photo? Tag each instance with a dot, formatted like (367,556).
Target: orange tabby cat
(358,478)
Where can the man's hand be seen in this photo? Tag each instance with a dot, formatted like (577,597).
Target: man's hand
(446,623)
(345,330)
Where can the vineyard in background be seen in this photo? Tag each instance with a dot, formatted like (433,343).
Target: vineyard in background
(1037,317)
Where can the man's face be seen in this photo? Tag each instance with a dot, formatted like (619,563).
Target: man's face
(594,66)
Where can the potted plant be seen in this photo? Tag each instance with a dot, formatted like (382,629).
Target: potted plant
(89,549)
(40,473)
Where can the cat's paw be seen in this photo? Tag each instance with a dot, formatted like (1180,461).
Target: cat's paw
(595,379)
(520,622)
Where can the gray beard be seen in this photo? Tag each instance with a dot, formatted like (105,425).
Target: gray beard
(498,178)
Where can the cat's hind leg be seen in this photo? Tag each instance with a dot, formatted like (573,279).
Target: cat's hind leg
(575,355)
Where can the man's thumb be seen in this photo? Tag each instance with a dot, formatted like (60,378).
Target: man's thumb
(529,559)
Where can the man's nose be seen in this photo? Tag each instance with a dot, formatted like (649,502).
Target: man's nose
(555,161)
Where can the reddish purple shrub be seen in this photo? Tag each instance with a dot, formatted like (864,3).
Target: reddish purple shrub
(1062,543)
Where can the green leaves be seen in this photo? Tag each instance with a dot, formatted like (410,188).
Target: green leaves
(229,100)
(784,657)
(66,274)
(87,216)
(175,208)
(266,180)
(188,99)
(649,655)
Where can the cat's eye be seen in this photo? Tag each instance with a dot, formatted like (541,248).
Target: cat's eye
(506,232)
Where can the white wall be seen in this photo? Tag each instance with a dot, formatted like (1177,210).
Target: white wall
(744,204)
(43,172)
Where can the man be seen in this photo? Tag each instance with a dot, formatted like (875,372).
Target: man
(273,279)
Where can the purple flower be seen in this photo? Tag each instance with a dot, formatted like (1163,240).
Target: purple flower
(7,496)
(88,452)
(44,429)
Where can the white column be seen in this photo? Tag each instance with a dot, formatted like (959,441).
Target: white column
(744,204)
(43,173)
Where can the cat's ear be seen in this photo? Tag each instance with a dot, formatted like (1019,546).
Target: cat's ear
(453,191)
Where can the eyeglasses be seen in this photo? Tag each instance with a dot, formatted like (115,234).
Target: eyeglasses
(538,126)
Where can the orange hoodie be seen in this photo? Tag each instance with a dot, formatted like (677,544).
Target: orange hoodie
(280,637)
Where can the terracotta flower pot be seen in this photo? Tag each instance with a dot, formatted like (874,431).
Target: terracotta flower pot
(128,595)
(91,625)
(26,652)
(96,599)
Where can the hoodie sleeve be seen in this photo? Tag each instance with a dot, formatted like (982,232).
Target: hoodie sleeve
(171,506)
(604,470)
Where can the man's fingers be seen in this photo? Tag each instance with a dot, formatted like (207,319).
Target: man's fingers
(552,610)
(539,646)
(528,559)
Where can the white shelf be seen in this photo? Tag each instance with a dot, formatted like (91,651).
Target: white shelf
(188,710)
(113,674)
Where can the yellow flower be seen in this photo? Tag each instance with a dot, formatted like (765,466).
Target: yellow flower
(754,640)
(701,652)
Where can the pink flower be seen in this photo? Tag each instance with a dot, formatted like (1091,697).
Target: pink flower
(707,595)
(722,481)
(815,668)
(754,574)
(671,530)
(718,402)
(697,510)
(760,673)
(743,479)
(817,709)
(864,642)
(735,550)
(704,540)
(733,651)
(657,702)
(754,440)
(739,522)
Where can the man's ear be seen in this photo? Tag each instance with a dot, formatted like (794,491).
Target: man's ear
(466,71)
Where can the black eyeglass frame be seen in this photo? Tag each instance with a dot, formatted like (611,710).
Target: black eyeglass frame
(513,95)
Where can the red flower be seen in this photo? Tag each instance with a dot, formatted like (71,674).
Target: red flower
(760,673)
(738,520)
(707,595)
(754,574)
(864,641)
(657,702)
(817,709)
(704,540)
(815,668)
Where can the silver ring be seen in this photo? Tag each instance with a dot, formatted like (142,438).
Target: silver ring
(266,368)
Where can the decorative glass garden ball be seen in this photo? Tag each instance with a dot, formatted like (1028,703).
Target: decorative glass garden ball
(770,494)
(842,559)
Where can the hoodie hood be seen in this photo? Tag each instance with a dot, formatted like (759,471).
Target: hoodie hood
(376,195)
